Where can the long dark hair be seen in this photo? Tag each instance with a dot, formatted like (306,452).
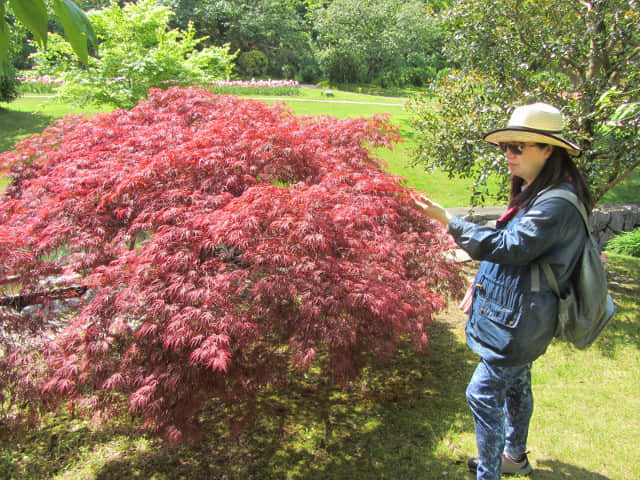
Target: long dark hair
(559,168)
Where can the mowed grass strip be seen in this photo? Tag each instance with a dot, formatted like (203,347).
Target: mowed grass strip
(405,419)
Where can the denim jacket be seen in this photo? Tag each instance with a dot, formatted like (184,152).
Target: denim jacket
(511,323)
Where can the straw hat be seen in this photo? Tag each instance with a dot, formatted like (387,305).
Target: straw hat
(539,122)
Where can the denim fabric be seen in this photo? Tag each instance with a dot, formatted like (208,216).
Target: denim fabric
(501,401)
(511,323)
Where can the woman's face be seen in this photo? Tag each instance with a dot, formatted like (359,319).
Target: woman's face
(526,160)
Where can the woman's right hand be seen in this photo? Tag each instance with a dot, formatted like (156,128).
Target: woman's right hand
(430,208)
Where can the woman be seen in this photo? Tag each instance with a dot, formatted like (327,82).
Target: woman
(513,313)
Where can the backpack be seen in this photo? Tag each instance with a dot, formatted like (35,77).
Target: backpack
(587,307)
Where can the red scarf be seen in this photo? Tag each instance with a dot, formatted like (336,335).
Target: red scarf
(507,216)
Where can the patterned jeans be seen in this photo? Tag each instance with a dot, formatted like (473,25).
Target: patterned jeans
(502,403)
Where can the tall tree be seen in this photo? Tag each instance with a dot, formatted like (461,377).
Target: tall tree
(579,55)
(383,37)
(278,29)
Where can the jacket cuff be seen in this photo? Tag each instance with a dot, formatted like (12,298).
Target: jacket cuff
(456,226)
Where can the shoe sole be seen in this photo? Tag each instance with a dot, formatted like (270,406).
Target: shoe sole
(528,470)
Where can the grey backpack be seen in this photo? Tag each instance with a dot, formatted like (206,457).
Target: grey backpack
(587,307)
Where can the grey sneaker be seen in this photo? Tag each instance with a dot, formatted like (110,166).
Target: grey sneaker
(509,465)
(512,467)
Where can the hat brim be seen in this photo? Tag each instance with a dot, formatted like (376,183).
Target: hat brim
(527,135)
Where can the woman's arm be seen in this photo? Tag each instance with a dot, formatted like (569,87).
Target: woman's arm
(547,225)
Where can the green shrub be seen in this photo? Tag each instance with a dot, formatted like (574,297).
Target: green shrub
(341,66)
(138,51)
(8,86)
(253,63)
(627,243)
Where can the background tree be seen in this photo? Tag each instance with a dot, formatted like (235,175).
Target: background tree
(226,245)
(580,56)
(137,51)
(392,41)
(277,29)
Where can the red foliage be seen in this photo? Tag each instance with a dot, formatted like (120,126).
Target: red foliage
(224,241)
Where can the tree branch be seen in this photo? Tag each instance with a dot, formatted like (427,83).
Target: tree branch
(626,173)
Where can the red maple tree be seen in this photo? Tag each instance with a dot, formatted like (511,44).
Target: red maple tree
(222,242)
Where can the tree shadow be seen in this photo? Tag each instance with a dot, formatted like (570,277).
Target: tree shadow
(389,424)
(554,470)
(16,125)
(623,328)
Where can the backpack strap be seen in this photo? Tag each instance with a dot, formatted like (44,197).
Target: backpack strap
(572,198)
(551,278)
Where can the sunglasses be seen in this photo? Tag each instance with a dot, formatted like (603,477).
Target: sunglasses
(515,148)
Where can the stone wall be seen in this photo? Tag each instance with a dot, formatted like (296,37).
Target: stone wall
(606,221)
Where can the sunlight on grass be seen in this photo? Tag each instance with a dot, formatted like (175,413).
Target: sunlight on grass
(406,418)
(593,394)
(627,192)
(30,115)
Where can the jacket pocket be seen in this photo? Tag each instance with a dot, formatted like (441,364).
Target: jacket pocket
(508,327)
(493,324)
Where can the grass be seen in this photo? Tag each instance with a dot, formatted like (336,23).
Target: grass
(405,419)
(626,192)
(30,115)
(312,102)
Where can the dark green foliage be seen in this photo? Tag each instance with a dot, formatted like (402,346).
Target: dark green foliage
(253,63)
(8,86)
(342,66)
(396,42)
(627,243)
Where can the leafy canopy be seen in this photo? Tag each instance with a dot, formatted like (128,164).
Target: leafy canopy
(138,51)
(33,14)
(279,30)
(390,40)
(580,56)
(226,244)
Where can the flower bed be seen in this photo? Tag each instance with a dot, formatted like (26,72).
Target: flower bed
(47,84)
(256,87)
(39,83)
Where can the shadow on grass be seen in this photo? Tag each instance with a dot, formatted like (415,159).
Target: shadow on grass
(393,423)
(389,424)
(624,286)
(401,420)
(16,125)
(554,470)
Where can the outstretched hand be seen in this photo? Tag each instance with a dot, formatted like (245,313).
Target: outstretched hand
(430,208)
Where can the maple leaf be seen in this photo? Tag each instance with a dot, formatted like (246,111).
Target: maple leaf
(222,242)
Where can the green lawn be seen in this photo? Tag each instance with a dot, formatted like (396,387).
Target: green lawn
(29,115)
(448,192)
(406,419)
